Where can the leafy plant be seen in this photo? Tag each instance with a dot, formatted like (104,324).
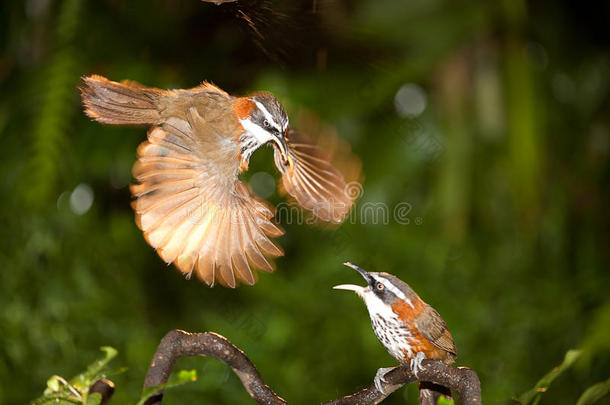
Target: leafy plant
(76,391)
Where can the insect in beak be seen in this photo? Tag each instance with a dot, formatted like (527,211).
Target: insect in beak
(284,151)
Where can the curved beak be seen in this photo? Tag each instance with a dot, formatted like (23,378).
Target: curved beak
(351,287)
(283,147)
(356,288)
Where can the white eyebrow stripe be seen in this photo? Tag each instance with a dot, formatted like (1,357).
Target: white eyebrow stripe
(266,112)
(388,284)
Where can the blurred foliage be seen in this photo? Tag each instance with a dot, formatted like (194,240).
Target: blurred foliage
(533,396)
(591,395)
(501,178)
(594,393)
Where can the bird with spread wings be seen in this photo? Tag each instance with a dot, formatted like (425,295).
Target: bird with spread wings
(189,202)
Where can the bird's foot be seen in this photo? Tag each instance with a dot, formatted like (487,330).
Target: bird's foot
(416,363)
(380,379)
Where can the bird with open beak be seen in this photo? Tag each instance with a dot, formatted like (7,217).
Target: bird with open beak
(408,328)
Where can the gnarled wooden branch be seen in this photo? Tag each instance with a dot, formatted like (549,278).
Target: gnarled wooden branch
(462,380)
(178,343)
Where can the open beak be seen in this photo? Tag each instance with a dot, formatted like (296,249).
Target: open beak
(351,287)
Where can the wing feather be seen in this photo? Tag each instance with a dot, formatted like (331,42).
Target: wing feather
(195,214)
(238,255)
(433,327)
(313,181)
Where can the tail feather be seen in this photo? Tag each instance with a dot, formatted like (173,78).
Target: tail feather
(120,103)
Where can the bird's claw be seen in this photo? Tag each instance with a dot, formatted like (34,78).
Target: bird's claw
(380,379)
(416,363)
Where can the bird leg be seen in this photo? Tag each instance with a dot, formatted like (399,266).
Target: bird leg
(416,363)
(380,379)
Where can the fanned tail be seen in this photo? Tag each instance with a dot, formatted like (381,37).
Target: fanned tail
(120,103)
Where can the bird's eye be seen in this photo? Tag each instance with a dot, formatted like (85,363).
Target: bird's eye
(379,286)
(266,124)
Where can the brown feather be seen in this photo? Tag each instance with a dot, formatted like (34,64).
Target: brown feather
(313,182)
(199,215)
(430,324)
(120,103)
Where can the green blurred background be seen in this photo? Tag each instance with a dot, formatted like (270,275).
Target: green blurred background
(483,127)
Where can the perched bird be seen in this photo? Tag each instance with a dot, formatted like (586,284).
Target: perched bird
(408,328)
(189,202)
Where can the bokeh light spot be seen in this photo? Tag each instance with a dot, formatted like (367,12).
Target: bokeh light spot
(81,199)
(263,184)
(410,100)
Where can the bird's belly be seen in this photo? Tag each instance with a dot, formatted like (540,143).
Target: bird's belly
(394,337)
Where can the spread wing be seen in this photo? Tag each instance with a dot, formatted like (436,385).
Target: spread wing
(196,214)
(432,327)
(313,181)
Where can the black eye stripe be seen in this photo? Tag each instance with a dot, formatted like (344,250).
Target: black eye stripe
(269,127)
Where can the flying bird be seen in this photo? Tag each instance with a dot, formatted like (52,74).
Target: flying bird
(188,200)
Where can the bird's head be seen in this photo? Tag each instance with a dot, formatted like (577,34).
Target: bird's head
(264,121)
(383,290)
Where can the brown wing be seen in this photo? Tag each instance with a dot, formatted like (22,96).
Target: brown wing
(433,327)
(192,208)
(313,181)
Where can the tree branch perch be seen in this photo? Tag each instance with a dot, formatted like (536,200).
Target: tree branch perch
(177,343)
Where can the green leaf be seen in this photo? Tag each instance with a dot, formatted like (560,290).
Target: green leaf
(54,384)
(443,400)
(94,372)
(594,393)
(94,399)
(532,397)
(98,365)
(181,377)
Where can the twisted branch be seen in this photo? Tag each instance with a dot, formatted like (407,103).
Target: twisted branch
(178,343)
(462,380)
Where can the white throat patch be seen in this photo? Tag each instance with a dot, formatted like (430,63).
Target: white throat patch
(376,306)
